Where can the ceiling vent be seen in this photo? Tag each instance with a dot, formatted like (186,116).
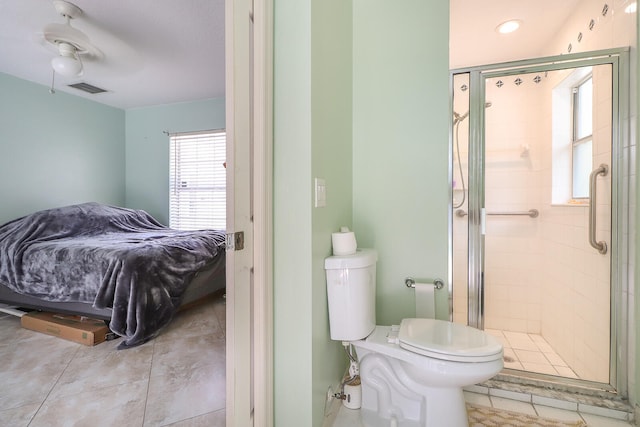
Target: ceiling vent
(87,88)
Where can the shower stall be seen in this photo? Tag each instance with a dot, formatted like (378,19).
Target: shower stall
(538,213)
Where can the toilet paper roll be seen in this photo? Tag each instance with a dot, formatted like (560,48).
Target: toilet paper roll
(425,300)
(344,242)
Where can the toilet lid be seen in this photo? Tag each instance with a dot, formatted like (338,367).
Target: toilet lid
(448,341)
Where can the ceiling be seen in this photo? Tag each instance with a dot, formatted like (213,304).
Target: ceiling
(161,52)
(474,41)
(154,51)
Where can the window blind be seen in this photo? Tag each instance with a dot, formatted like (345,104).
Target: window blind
(198,182)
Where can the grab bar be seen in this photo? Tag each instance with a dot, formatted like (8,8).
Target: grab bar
(593,180)
(533,213)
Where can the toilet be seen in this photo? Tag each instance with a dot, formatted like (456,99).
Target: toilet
(412,374)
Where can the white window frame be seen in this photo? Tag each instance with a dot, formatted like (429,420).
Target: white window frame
(197,180)
(579,140)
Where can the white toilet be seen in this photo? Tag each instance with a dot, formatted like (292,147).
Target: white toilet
(411,374)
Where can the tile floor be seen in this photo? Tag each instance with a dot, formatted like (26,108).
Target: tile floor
(530,352)
(351,418)
(177,380)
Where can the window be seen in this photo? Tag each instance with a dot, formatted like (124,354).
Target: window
(198,183)
(582,139)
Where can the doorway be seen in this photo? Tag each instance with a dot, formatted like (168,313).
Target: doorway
(537,221)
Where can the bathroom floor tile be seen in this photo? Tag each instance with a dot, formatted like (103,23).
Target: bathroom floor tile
(177,379)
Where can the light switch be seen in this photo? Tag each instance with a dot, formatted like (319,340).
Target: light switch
(320,193)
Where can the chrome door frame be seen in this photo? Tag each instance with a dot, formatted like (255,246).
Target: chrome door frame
(620,169)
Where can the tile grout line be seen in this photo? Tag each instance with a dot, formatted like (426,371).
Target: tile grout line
(146,397)
(75,354)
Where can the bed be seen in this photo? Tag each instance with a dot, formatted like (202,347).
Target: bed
(108,262)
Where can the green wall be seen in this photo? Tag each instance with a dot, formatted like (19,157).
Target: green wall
(292,256)
(401,146)
(331,160)
(360,100)
(147,149)
(61,149)
(634,334)
(57,149)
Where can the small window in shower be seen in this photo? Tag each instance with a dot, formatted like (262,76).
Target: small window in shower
(582,138)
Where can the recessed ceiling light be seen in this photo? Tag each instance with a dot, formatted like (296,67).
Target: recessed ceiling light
(508,26)
(631,8)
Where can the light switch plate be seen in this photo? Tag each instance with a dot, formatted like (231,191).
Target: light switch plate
(320,193)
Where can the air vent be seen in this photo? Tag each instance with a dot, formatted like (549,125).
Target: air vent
(87,88)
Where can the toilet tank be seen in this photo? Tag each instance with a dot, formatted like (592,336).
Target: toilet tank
(351,292)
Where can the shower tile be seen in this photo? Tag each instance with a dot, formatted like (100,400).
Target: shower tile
(520,341)
(539,368)
(544,347)
(554,359)
(514,365)
(537,339)
(565,371)
(531,357)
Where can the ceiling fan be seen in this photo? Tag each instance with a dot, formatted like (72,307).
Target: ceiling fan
(72,44)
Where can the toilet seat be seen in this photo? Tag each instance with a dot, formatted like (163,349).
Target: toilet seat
(444,340)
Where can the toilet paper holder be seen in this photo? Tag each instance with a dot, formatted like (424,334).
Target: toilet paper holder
(411,283)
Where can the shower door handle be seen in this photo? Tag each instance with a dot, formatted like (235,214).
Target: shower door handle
(593,180)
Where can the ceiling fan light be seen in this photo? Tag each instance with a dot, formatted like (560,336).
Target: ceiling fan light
(67,66)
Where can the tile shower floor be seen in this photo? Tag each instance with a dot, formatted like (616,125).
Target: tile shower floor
(530,352)
(177,380)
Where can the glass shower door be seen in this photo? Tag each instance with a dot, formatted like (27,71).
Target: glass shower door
(546,289)
(537,258)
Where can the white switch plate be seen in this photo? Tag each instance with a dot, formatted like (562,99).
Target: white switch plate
(320,193)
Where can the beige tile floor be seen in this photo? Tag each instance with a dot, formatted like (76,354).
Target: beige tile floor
(532,353)
(177,380)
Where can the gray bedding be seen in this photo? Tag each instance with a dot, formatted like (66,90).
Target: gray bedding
(108,256)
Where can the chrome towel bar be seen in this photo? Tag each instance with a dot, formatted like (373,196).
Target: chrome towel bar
(533,213)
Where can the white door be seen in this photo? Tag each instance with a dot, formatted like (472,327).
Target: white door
(249,304)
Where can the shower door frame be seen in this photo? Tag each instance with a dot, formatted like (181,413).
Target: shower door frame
(619,60)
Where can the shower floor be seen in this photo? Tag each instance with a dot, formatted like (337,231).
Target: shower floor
(532,353)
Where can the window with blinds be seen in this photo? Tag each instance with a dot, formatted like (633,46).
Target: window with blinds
(198,183)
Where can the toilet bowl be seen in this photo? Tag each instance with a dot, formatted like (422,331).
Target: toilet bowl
(412,374)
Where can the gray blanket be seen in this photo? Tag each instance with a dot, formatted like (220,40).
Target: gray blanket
(107,256)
